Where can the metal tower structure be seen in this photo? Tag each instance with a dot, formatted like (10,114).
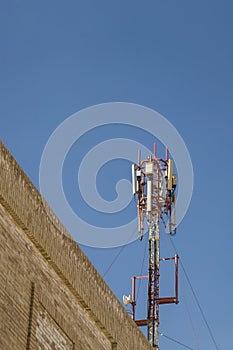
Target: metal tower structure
(154,185)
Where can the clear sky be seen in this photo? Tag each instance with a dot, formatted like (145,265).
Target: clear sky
(58,57)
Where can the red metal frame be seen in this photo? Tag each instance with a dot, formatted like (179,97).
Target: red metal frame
(159,301)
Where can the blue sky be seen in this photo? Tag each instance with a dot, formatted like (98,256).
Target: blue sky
(175,57)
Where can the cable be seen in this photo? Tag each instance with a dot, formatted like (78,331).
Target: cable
(191,322)
(175,341)
(196,298)
(115,258)
(143,261)
(185,302)
(118,254)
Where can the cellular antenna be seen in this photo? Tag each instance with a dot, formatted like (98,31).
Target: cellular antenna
(154,187)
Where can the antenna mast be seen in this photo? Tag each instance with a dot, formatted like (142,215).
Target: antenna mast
(154,185)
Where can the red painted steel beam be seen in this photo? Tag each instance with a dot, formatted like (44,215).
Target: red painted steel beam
(168,300)
(141,323)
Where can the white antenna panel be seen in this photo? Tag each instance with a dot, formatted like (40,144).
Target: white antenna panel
(149,168)
(169,175)
(149,195)
(134,181)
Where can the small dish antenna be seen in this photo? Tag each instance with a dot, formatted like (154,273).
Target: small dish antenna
(127,300)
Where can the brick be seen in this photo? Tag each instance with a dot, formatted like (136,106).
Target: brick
(51,296)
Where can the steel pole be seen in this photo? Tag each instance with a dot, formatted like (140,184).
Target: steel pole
(150,321)
(157,275)
(154,264)
(153,283)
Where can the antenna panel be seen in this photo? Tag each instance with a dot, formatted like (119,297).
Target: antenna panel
(149,195)
(169,175)
(149,168)
(134,181)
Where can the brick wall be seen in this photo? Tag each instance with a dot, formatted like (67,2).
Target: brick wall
(51,296)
